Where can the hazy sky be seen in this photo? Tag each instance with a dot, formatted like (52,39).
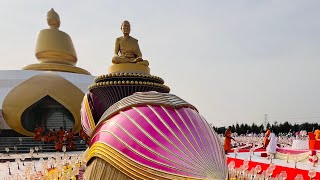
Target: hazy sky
(234,60)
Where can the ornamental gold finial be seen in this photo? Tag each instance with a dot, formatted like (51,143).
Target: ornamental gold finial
(53,19)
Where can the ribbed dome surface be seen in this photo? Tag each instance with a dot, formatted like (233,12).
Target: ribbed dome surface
(160,140)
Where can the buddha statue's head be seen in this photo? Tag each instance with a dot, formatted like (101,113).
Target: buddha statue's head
(125,27)
(53,19)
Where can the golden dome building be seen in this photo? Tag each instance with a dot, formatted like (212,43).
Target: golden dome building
(47,94)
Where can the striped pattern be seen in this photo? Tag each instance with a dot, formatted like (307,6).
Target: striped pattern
(125,76)
(141,98)
(111,94)
(158,142)
(112,87)
(87,120)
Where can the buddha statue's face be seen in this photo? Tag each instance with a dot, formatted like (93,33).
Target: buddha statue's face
(125,27)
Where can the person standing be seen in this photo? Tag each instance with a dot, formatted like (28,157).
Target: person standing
(272,145)
(227,140)
(266,138)
(317,133)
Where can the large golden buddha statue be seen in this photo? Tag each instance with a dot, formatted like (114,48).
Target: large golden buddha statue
(54,49)
(126,48)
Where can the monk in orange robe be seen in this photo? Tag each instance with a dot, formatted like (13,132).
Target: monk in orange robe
(61,133)
(71,146)
(46,137)
(53,135)
(317,133)
(70,135)
(38,133)
(58,145)
(266,138)
(227,140)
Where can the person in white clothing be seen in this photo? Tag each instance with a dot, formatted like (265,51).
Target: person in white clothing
(272,146)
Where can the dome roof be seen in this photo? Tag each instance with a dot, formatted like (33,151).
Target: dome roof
(35,88)
(151,135)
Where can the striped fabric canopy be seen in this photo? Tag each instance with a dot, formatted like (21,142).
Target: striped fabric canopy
(153,135)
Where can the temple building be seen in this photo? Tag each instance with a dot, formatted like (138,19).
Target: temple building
(46,94)
(137,128)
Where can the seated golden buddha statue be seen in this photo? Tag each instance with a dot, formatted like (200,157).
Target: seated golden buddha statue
(127,49)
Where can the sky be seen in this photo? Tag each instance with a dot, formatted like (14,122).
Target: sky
(234,60)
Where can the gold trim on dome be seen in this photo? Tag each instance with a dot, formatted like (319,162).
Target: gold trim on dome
(129,166)
(142,98)
(88,112)
(192,134)
(111,83)
(195,158)
(32,90)
(125,74)
(148,135)
(56,67)
(147,158)
(129,68)
(169,139)
(204,139)
(155,152)
(183,134)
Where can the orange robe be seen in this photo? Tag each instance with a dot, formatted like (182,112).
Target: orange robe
(38,133)
(53,136)
(317,133)
(266,139)
(61,134)
(58,145)
(71,146)
(39,130)
(70,135)
(227,140)
(47,137)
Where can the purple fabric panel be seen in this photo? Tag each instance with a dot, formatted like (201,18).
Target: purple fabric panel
(204,134)
(85,120)
(96,106)
(137,147)
(192,147)
(141,121)
(118,145)
(177,131)
(164,130)
(194,136)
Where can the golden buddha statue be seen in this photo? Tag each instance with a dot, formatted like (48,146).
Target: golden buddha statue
(54,49)
(128,48)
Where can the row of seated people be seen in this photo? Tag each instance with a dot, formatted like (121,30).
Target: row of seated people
(52,136)
(70,146)
(314,139)
(60,138)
